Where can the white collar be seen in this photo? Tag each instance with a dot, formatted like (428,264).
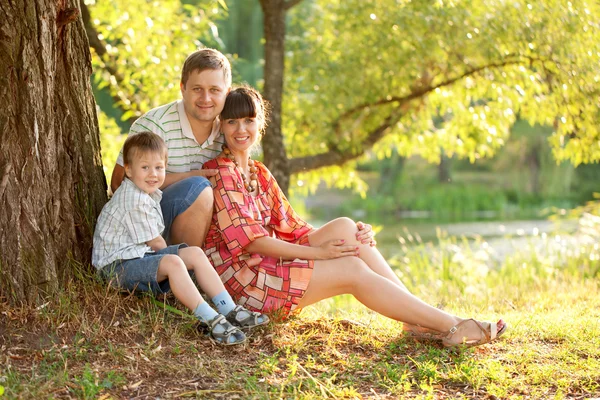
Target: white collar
(186,128)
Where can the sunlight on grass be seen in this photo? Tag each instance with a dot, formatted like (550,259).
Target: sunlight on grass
(92,342)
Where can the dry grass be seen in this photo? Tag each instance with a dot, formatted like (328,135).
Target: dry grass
(91,342)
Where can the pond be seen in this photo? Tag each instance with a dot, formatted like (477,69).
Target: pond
(505,237)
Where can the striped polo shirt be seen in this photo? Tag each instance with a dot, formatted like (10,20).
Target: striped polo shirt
(129,220)
(170,122)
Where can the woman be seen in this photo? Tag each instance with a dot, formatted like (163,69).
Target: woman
(302,265)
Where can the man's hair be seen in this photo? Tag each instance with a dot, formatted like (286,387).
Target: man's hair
(246,102)
(143,142)
(203,59)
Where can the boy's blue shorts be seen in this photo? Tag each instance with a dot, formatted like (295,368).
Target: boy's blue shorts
(178,197)
(139,274)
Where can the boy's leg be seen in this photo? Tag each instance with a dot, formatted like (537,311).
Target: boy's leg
(187,208)
(210,283)
(206,276)
(162,271)
(171,267)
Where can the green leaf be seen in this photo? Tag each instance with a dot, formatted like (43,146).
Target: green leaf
(223,4)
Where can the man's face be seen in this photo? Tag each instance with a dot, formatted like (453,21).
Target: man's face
(204,95)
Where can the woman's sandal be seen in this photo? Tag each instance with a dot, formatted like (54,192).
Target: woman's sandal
(246,319)
(488,332)
(222,332)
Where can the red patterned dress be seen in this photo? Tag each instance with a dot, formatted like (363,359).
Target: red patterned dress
(238,219)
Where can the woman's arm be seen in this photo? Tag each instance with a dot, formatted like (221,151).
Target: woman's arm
(272,247)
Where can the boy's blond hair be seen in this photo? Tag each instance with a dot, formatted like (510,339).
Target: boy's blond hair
(141,143)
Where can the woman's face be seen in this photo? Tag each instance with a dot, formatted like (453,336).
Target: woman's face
(241,133)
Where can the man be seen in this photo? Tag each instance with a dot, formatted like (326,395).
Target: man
(191,129)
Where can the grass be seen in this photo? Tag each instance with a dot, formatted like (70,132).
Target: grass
(90,342)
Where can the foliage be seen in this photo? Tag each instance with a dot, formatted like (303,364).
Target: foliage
(241,33)
(146,44)
(417,77)
(111,142)
(448,76)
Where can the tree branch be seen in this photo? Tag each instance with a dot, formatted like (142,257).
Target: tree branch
(338,157)
(334,156)
(291,3)
(426,89)
(100,49)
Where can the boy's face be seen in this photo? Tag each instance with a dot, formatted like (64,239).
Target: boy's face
(146,170)
(204,95)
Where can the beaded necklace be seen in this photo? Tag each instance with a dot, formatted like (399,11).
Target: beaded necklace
(250,184)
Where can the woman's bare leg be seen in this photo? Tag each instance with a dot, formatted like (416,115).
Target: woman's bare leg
(374,283)
(345,228)
(351,275)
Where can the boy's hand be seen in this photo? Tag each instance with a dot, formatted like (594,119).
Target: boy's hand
(158,243)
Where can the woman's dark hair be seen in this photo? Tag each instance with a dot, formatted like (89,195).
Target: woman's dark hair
(246,102)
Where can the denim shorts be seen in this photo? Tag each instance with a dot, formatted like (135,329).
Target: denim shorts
(139,274)
(178,197)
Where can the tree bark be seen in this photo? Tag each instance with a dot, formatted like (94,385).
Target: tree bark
(52,185)
(444,169)
(273,147)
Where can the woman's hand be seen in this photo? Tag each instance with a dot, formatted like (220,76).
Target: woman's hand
(365,234)
(335,249)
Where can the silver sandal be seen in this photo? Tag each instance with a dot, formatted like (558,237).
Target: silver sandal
(246,319)
(228,331)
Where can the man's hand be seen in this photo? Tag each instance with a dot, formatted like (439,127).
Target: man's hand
(119,174)
(206,172)
(365,234)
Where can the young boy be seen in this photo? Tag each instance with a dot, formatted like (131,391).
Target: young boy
(130,252)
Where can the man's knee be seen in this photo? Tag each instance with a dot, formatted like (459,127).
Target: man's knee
(192,195)
(203,203)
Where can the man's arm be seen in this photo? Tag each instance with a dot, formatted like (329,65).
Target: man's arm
(117,177)
(119,174)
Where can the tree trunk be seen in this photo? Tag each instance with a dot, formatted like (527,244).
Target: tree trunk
(273,147)
(444,169)
(52,185)
(534,164)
